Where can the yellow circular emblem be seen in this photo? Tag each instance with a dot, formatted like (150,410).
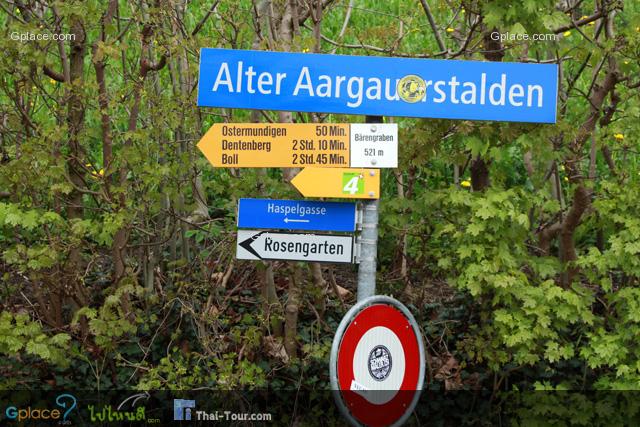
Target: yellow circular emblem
(412,88)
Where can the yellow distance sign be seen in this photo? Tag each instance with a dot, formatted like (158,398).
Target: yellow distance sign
(277,145)
(338,183)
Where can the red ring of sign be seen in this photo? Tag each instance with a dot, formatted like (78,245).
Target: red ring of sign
(361,409)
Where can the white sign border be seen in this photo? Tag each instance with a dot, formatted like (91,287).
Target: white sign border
(248,233)
(389,157)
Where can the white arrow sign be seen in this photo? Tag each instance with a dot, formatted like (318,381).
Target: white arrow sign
(287,220)
(257,245)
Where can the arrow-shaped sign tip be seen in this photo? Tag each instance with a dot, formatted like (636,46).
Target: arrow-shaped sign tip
(337,183)
(246,244)
(297,184)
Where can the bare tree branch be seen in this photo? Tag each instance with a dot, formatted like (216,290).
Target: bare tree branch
(204,18)
(347,17)
(53,74)
(580,22)
(433,25)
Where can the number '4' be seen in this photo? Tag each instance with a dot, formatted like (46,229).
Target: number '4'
(351,186)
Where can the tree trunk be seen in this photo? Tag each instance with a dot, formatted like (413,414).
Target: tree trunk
(271,307)
(581,201)
(75,121)
(401,250)
(479,167)
(293,301)
(479,174)
(319,288)
(291,314)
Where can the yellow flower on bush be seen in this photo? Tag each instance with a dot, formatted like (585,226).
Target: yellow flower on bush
(466,183)
(618,136)
(566,179)
(93,173)
(566,33)
(450,30)
(97,175)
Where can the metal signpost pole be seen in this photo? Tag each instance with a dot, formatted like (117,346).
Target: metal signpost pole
(368,241)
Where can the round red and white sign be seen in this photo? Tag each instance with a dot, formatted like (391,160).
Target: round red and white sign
(377,363)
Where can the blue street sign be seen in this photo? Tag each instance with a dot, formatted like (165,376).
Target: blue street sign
(296,215)
(367,85)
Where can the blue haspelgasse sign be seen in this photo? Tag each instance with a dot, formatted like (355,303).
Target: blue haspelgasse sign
(367,85)
(296,215)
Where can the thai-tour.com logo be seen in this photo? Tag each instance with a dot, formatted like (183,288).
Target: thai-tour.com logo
(182,409)
(28,414)
(185,410)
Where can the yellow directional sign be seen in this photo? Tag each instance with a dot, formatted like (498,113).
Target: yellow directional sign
(338,183)
(251,145)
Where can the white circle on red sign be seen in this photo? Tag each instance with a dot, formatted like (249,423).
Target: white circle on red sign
(377,363)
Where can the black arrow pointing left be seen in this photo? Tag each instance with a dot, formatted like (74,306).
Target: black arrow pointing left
(246,244)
